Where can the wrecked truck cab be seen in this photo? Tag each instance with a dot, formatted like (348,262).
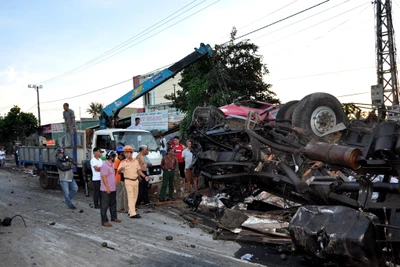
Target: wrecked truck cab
(335,168)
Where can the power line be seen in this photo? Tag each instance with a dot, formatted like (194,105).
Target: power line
(320,74)
(91,92)
(303,19)
(317,24)
(363,93)
(329,31)
(31,108)
(103,88)
(116,52)
(97,90)
(273,12)
(118,46)
(273,23)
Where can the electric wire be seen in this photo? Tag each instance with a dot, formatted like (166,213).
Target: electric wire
(275,22)
(236,38)
(321,74)
(87,93)
(103,88)
(316,24)
(273,12)
(135,37)
(139,42)
(301,20)
(326,33)
(175,24)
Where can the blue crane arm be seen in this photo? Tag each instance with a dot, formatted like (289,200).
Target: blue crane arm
(114,108)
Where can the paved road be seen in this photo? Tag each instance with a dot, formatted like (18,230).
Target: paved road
(76,237)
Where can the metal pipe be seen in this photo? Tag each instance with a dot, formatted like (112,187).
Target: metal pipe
(334,154)
(264,140)
(300,186)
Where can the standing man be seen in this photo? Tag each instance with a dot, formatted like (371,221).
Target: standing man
(122,201)
(96,163)
(178,149)
(168,165)
(188,157)
(108,190)
(2,156)
(70,127)
(16,156)
(137,125)
(144,183)
(66,176)
(132,173)
(163,145)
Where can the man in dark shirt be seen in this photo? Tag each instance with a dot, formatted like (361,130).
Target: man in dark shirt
(168,165)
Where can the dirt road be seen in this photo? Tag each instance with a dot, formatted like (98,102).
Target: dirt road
(76,237)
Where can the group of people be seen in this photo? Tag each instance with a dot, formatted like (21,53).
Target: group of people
(121,189)
(3,155)
(122,182)
(176,156)
(119,183)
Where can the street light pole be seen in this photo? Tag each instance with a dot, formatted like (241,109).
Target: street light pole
(37,87)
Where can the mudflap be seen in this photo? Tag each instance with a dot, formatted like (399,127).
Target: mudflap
(337,233)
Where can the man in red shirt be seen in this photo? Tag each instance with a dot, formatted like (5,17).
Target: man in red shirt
(178,149)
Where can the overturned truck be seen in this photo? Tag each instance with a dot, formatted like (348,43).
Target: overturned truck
(342,174)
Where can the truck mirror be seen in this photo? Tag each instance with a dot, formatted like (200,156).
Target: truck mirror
(113,145)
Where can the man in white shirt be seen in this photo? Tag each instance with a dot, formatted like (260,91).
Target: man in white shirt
(2,156)
(137,125)
(96,163)
(163,145)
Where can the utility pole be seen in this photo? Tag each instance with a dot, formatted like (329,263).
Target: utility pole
(37,87)
(386,91)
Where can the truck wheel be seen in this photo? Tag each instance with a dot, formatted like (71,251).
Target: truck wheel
(44,180)
(285,112)
(318,113)
(53,182)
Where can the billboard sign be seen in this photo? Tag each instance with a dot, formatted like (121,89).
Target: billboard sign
(157,120)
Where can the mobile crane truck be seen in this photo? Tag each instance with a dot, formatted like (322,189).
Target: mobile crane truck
(109,138)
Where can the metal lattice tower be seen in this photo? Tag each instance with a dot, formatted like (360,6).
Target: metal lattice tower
(386,56)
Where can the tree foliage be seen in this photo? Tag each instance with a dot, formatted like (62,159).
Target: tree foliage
(16,125)
(236,70)
(95,109)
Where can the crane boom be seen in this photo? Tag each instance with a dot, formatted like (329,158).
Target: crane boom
(115,107)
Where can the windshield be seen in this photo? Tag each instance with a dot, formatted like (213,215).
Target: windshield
(135,139)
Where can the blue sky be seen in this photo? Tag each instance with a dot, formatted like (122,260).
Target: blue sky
(330,48)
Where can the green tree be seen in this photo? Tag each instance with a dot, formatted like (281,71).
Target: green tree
(236,70)
(95,109)
(17,125)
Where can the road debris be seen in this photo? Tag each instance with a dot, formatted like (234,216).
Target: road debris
(247,257)
(105,245)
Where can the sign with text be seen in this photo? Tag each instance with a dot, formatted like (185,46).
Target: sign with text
(51,142)
(157,120)
(53,128)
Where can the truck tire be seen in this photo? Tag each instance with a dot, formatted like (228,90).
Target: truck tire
(285,112)
(44,180)
(318,113)
(53,182)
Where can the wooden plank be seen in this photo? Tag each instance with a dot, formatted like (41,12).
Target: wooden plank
(255,238)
